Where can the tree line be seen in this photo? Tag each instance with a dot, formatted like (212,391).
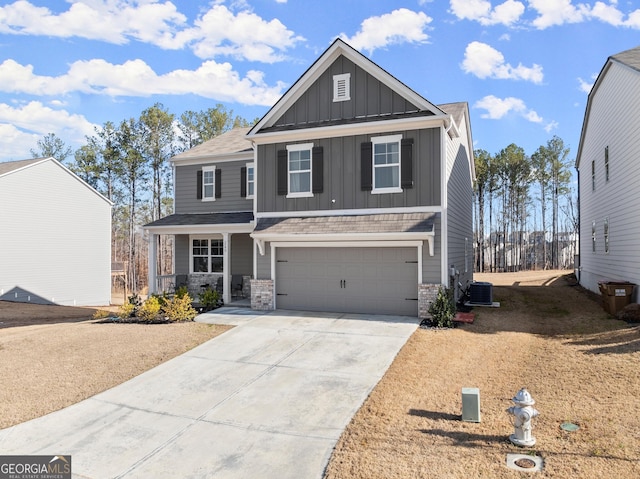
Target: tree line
(128,162)
(525,209)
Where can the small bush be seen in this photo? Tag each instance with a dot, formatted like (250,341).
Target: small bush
(101,314)
(443,309)
(149,309)
(209,298)
(179,309)
(162,299)
(126,310)
(181,292)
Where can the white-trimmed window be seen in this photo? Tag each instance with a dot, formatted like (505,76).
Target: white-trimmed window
(206,255)
(209,183)
(606,163)
(299,170)
(250,180)
(593,175)
(593,237)
(386,164)
(342,87)
(606,235)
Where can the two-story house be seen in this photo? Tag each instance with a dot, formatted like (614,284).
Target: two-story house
(352,194)
(608,175)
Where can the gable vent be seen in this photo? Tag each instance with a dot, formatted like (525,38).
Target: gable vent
(342,87)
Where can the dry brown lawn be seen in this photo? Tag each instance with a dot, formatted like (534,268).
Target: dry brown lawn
(550,336)
(54,356)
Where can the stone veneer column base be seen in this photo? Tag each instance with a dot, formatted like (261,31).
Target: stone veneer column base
(262,295)
(427,293)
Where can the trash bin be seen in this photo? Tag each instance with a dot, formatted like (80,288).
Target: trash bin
(615,295)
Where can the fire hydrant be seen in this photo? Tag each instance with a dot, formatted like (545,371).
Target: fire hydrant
(523,413)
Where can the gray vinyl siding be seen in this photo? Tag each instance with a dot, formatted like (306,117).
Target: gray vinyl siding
(369,97)
(55,238)
(230,200)
(182,254)
(342,171)
(613,122)
(263,266)
(431,265)
(241,254)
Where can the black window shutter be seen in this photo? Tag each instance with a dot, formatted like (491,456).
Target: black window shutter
(243,181)
(406,153)
(316,163)
(218,193)
(283,187)
(366,166)
(199,185)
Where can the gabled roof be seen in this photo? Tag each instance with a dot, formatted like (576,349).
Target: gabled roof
(337,48)
(230,143)
(10,167)
(629,58)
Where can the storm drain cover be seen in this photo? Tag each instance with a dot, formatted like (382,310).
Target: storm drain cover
(524,462)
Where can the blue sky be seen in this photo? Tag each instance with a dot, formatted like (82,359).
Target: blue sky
(525,67)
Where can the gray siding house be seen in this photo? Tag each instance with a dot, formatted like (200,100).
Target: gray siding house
(360,197)
(608,175)
(55,236)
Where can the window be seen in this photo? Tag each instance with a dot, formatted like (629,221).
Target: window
(606,235)
(299,170)
(342,87)
(606,163)
(593,237)
(386,164)
(250,180)
(207,255)
(208,182)
(593,175)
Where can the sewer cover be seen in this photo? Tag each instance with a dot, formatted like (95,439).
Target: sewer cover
(569,427)
(524,462)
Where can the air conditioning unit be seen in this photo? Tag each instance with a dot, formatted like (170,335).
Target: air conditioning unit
(481,293)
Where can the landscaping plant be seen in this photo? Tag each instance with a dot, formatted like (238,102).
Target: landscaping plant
(209,299)
(149,310)
(179,309)
(443,309)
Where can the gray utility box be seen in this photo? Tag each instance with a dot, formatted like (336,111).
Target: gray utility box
(471,404)
(481,293)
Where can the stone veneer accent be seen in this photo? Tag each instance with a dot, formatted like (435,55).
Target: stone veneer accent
(262,294)
(246,286)
(426,295)
(195,282)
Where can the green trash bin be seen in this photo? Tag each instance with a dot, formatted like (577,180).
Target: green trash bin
(615,295)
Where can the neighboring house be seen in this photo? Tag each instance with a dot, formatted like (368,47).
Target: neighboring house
(55,236)
(352,194)
(608,175)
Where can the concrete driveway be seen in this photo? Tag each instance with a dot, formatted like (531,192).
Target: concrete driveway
(268,398)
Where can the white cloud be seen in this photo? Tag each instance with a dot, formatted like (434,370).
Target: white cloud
(506,13)
(586,86)
(399,26)
(135,78)
(552,125)
(557,12)
(218,31)
(484,61)
(15,144)
(498,108)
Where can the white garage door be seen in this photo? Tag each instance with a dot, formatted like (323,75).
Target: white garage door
(358,280)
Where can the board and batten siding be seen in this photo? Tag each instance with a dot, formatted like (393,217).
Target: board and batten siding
(55,240)
(342,176)
(369,97)
(186,189)
(613,122)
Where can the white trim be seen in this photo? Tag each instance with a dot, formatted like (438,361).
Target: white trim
(209,246)
(253,167)
(202,159)
(202,229)
(377,140)
(207,169)
(444,236)
(300,147)
(343,79)
(351,212)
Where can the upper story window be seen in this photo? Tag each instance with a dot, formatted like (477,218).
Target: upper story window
(206,254)
(299,170)
(250,180)
(593,175)
(342,87)
(386,164)
(606,163)
(208,183)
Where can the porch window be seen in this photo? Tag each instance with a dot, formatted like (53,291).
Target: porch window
(386,164)
(207,255)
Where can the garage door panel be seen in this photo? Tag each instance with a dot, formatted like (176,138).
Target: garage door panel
(367,280)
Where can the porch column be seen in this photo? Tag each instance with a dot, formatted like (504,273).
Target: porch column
(226,267)
(153,254)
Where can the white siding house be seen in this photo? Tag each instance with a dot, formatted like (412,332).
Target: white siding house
(55,236)
(608,163)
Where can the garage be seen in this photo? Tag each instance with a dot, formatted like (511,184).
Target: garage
(374,280)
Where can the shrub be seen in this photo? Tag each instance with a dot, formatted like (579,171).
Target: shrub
(149,309)
(209,298)
(126,310)
(181,292)
(443,309)
(101,314)
(179,309)
(162,299)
